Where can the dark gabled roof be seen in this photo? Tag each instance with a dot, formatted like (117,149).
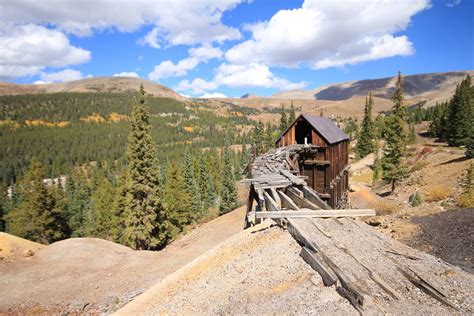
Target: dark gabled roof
(326,127)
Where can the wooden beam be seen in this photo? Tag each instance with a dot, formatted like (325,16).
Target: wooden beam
(299,200)
(317,162)
(287,201)
(316,262)
(311,195)
(306,213)
(276,197)
(270,203)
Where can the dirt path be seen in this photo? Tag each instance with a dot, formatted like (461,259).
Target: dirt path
(93,275)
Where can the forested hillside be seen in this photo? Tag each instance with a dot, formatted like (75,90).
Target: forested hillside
(64,130)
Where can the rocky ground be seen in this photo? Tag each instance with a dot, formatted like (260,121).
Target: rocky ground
(258,271)
(437,226)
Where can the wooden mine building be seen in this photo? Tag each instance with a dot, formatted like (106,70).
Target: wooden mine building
(326,165)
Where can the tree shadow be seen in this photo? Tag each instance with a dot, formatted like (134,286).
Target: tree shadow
(460,159)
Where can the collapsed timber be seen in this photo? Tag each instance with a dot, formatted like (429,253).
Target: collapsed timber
(374,272)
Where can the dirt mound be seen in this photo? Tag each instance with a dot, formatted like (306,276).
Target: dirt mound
(12,247)
(258,271)
(82,249)
(94,276)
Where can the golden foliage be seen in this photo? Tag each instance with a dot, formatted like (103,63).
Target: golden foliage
(438,193)
(93,118)
(467,199)
(188,129)
(384,207)
(45,123)
(9,123)
(116,117)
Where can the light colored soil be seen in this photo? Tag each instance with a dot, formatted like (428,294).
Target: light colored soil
(93,275)
(13,248)
(258,271)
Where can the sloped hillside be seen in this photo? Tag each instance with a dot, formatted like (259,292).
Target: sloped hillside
(95,276)
(432,87)
(96,84)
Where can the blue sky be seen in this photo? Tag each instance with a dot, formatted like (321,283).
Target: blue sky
(232,47)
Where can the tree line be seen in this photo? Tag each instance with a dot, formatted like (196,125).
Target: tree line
(451,121)
(143,204)
(175,125)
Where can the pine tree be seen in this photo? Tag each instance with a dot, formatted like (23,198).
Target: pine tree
(77,201)
(412,134)
(292,116)
(38,217)
(145,221)
(191,185)
(206,183)
(258,137)
(283,120)
(366,141)
(268,137)
(175,199)
(377,168)
(103,215)
(228,189)
(395,139)
(460,115)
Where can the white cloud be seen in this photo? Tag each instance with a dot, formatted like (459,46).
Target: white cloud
(174,22)
(196,55)
(453,3)
(251,75)
(196,86)
(327,33)
(213,95)
(62,76)
(27,49)
(127,74)
(41,82)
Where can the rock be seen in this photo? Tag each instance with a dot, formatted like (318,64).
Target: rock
(28,253)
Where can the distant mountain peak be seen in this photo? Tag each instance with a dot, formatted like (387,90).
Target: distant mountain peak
(249,96)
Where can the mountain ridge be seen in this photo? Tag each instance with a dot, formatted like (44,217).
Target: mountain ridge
(94,84)
(414,85)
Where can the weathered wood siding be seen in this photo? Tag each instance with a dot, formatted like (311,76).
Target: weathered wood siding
(326,170)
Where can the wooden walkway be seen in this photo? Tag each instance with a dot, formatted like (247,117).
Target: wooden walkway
(374,272)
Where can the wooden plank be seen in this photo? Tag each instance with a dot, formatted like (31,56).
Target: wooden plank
(316,262)
(287,201)
(300,201)
(270,203)
(306,213)
(317,162)
(311,195)
(276,197)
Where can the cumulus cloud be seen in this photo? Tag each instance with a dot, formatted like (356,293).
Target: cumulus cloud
(213,95)
(251,75)
(196,55)
(174,22)
(28,49)
(327,33)
(62,76)
(127,74)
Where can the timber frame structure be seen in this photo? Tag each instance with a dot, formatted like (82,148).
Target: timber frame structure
(376,274)
(325,164)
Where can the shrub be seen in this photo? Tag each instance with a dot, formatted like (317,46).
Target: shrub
(416,200)
(438,193)
(467,199)
(384,207)
(420,164)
